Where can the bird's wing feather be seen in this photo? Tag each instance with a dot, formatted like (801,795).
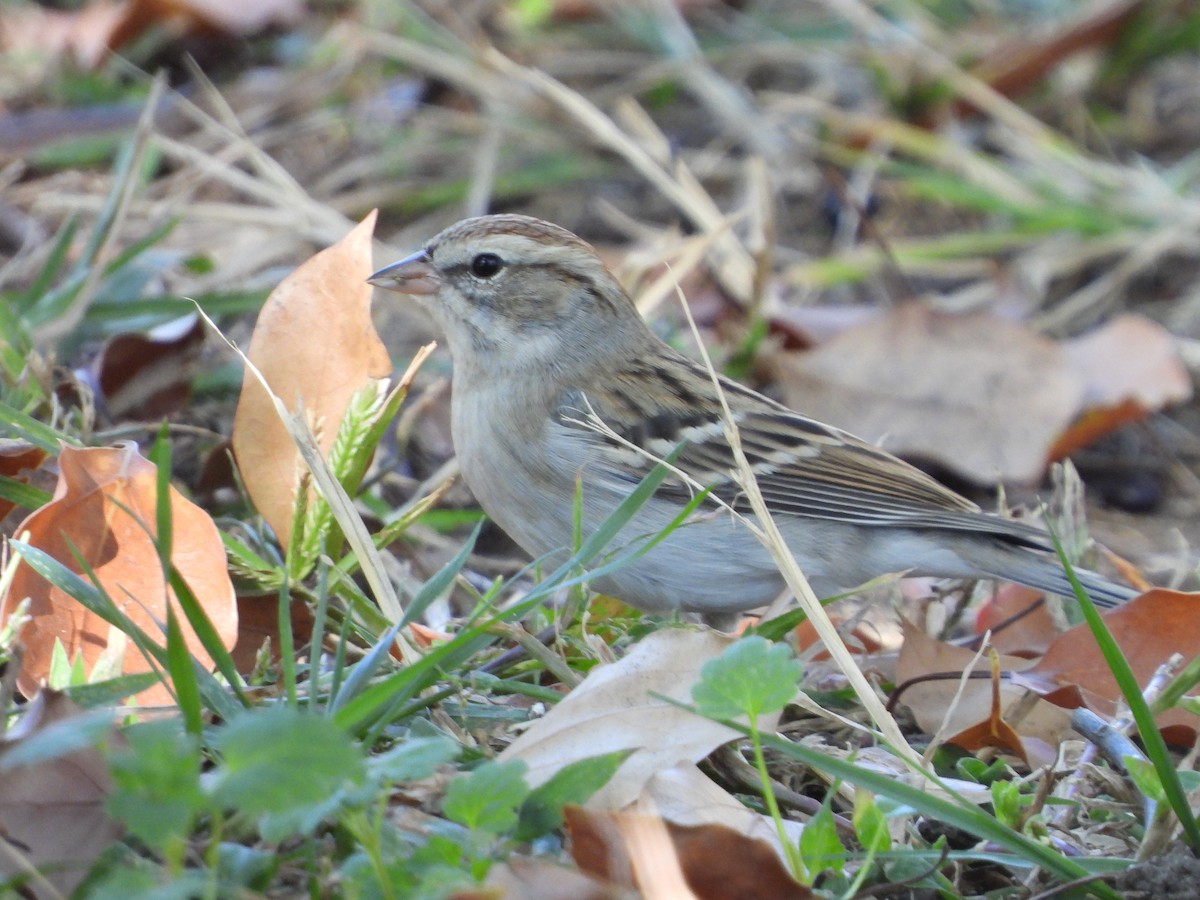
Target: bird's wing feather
(803,468)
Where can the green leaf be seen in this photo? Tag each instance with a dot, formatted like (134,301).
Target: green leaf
(573,783)
(210,640)
(1006,803)
(869,823)
(488,798)
(52,267)
(157,779)
(1190,704)
(363,671)
(820,847)
(1145,777)
(416,757)
(752,677)
(23,425)
(531,14)
(143,884)
(780,627)
(64,673)
(974,769)
(281,760)
(112,691)
(375,701)
(248,867)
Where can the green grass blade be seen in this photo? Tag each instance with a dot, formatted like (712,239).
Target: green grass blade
(287,643)
(441,580)
(164,536)
(204,630)
(183,676)
(37,433)
(22,494)
(54,264)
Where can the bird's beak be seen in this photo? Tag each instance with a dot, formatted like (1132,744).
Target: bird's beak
(413,275)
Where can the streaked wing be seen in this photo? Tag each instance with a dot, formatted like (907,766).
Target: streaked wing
(803,468)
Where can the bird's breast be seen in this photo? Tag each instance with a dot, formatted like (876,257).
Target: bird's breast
(521,468)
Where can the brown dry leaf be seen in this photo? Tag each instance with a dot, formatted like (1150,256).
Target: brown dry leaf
(149,376)
(1092,425)
(863,638)
(258,622)
(522,878)
(1018,627)
(1041,730)
(979,394)
(804,327)
(1149,629)
(228,17)
(53,810)
(87,34)
(686,796)
(613,710)
(104,508)
(992,731)
(18,459)
(1130,358)
(425,637)
(83,34)
(717,863)
(315,345)
(1131,368)
(1014,68)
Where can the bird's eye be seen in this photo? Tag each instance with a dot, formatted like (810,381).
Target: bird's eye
(485,265)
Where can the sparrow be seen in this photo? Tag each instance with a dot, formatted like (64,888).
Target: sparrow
(558,380)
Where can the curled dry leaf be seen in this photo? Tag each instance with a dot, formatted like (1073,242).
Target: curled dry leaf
(149,375)
(1013,68)
(224,17)
(1020,622)
(104,510)
(1131,368)
(994,731)
(715,861)
(686,796)
(942,704)
(862,639)
(18,460)
(1149,629)
(315,345)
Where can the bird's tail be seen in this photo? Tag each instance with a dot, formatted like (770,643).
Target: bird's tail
(1048,575)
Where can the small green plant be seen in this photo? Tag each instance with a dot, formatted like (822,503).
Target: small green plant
(754,678)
